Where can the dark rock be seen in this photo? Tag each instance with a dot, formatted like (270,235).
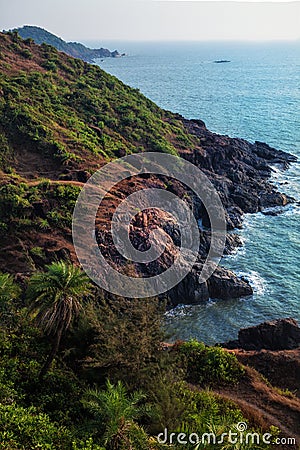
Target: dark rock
(279,334)
(271,154)
(224,284)
(232,242)
(120,152)
(239,170)
(231,345)
(189,291)
(274,211)
(269,199)
(198,122)
(235,217)
(115,54)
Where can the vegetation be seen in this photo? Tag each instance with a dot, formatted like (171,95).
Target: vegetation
(106,383)
(91,119)
(56,300)
(40,36)
(210,365)
(115,414)
(90,114)
(80,370)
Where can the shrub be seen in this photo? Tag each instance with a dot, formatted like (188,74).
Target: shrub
(26,428)
(209,365)
(86,445)
(49,65)
(28,41)
(27,54)
(115,413)
(37,251)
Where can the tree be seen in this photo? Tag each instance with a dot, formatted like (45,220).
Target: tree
(56,298)
(116,411)
(128,340)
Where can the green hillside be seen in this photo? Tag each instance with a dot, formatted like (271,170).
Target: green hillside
(41,36)
(61,119)
(67,110)
(81,369)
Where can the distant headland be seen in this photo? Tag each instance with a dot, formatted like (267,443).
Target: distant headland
(40,36)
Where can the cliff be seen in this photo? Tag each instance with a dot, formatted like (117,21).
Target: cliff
(61,120)
(41,36)
(93,118)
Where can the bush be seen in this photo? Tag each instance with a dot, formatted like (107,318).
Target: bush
(37,251)
(50,65)
(26,428)
(209,365)
(86,445)
(27,54)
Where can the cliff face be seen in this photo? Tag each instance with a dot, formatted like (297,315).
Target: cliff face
(62,119)
(41,36)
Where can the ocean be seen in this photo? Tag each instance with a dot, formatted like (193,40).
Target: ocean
(255,96)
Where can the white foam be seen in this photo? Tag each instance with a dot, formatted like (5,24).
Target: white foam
(258,283)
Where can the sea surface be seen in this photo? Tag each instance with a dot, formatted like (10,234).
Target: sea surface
(255,96)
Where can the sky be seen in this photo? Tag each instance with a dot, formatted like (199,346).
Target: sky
(156,20)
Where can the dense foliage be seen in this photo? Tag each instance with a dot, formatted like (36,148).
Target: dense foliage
(110,385)
(210,365)
(90,114)
(79,371)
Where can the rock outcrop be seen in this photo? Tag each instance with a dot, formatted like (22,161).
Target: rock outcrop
(280,334)
(239,170)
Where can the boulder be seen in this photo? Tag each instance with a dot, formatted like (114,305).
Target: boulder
(189,291)
(225,284)
(279,334)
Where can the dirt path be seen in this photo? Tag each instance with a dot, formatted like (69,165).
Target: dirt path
(263,405)
(53,182)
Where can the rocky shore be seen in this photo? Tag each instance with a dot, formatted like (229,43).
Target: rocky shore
(279,334)
(240,172)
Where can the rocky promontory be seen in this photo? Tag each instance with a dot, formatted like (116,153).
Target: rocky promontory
(240,171)
(75,49)
(93,118)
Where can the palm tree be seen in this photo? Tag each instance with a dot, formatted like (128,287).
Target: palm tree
(56,298)
(117,411)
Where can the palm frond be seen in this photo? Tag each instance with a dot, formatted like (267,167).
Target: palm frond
(56,296)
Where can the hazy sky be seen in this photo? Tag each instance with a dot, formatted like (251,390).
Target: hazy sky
(155,19)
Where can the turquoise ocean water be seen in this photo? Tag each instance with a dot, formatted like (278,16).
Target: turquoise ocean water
(256,96)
